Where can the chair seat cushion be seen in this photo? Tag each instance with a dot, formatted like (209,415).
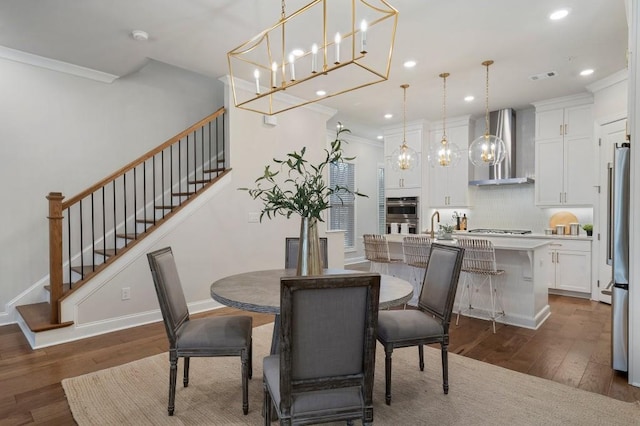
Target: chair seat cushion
(215,334)
(314,402)
(410,324)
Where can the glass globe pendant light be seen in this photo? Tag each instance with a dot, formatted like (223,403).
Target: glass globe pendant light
(446,153)
(487,150)
(404,157)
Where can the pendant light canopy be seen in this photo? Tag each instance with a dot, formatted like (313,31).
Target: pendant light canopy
(487,150)
(404,157)
(446,153)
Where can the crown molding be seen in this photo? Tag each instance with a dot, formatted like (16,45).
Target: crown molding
(606,82)
(55,65)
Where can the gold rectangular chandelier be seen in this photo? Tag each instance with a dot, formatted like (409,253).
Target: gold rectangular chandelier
(324,49)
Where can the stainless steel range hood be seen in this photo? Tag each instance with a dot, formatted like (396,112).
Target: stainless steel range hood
(502,123)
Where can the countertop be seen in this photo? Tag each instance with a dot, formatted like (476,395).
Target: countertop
(517,243)
(581,237)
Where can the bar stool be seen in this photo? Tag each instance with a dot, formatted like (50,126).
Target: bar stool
(376,250)
(479,262)
(416,250)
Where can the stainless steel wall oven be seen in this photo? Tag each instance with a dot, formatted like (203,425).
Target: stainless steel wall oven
(403,210)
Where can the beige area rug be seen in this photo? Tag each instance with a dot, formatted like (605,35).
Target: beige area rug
(480,394)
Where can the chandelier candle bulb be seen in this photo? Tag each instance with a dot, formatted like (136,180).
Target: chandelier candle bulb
(314,58)
(363,36)
(337,41)
(256,75)
(274,71)
(292,67)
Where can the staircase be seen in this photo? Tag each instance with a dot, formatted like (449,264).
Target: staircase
(92,229)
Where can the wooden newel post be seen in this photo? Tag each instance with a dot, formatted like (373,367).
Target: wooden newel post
(55,253)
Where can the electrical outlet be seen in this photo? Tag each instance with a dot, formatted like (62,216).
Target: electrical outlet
(126,293)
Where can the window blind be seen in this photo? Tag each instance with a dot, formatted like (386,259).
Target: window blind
(342,211)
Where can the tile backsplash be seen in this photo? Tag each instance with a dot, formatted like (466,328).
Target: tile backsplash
(508,207)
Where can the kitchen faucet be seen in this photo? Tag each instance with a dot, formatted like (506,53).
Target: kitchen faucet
(436,213)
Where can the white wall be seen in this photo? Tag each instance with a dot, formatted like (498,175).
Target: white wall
(63,133)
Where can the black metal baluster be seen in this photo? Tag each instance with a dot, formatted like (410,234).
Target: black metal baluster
(180,169)
(153,184)
(144,193)
(104,224)
(162,177)
(210,156)
(81,245)
(93,230)
(114,213)
(69,245)
(171,174)
(202,155)
(124,191)
(135,201)
(195,167)
(187,163)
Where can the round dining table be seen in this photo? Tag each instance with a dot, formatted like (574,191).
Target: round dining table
(259,291)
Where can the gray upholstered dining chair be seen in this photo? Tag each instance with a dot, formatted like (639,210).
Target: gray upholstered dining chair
(430,322)
(202,337)
(324,371)
(291,252)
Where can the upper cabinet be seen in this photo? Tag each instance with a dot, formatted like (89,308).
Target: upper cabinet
(403,179)
(564,152)
(449,186)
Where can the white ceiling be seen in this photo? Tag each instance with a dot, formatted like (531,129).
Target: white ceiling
(452,36)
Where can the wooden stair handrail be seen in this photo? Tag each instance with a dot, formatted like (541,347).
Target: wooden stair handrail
(57,206)
(71,201)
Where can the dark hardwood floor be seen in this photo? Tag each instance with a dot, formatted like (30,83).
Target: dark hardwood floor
(571,347)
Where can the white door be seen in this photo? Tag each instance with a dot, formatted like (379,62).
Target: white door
(611,134)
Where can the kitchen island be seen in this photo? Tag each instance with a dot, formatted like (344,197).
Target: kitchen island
(523,286)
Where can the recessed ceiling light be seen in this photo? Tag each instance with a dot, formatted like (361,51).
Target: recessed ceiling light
(297,52)
(380,137)
(321,93)
(410,64)
(559,14)
(388,116)
(469,98)
(140,35)
(586,72)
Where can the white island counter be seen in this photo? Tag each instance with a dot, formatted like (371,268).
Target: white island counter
(523,285)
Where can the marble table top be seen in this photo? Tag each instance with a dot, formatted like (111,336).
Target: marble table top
(259,291)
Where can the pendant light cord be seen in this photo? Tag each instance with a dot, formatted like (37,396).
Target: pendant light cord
(444,108)
(404,114)
(486,118)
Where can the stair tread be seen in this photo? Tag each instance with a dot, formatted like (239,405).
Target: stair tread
(146,220)
(107,252)
(215,170)
(37,316)
(199,181)
(166,207)
(183,194)
(129,235)
(65,287)
(86,269)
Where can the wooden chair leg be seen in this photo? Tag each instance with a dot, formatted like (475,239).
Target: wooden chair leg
(245,381)
(421,356)
(173,373)
(388,351)
(266,405)
(251,359)
(445,369)
(185,376)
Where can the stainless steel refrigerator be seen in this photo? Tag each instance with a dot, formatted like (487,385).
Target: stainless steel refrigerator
(619,193)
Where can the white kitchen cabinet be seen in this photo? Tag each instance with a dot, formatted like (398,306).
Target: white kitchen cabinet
(399,179)
(564,153)
(449,186)
(570,266)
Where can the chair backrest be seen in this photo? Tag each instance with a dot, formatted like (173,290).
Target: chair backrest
(416,250)
(376,248)
(328,333)
(291,252)
(441,281)
(173,305)
(479,255)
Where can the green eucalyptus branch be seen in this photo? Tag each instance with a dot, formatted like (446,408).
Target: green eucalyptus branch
(303,191)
